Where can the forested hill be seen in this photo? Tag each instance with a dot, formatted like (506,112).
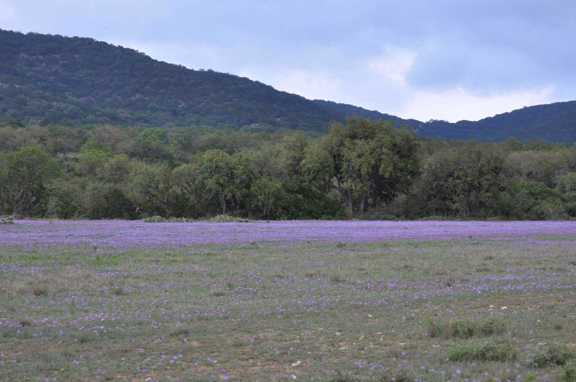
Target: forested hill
(555,122)
(46,79)
(54,79)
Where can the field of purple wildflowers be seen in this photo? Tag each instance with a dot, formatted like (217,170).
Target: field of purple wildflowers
(284,301)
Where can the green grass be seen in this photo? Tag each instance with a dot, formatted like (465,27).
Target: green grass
(553,356)
(568,373)
(487,352)
(428,311)
(465,329)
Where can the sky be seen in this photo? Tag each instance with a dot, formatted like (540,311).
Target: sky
(422,59)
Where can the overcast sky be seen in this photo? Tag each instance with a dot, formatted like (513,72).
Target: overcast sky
(424,59)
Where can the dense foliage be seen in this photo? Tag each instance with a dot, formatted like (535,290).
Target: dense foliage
(78,81)
(361,169)
(53,79)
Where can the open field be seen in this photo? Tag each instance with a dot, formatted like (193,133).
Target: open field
(305,301)
(138,234)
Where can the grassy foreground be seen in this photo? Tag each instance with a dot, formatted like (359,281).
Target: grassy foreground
(424,311)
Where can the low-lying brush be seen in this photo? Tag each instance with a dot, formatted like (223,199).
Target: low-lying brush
(490,352)
(161,219)
(215,219)
(40,291)
(553,356)
(401,376)
(6,219)
(228,219)
(465,329)
(180,333)
(568,373)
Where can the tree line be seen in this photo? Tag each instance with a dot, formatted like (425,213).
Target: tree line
(361,169)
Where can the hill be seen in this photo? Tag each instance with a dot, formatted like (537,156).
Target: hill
(49,79)
(554,122)
(54,79)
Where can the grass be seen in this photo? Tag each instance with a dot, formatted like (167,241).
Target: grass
(282,312)
(488,352)
(465,329)
(553,356)
(568,373)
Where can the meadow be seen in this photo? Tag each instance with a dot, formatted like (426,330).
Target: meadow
(283,301)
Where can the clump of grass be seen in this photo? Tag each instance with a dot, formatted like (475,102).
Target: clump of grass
(401,376)
(40,291)
(553,356)
(465,329)
(489,352)
(180,333)
(84,339)
(119,291)
(312,275)
(228,219)
(337,279)
(568,373)
(161,219)
(155,219)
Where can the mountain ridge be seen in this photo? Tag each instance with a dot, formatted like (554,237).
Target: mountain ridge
(51,79)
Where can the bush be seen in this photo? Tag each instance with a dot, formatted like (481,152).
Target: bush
(400,376)
(465,329)
(502,352)
(553,356)
(155,219)
(65,199)
(569,373)
(228,219)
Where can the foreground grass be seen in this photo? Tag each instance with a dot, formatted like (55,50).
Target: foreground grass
(431,311)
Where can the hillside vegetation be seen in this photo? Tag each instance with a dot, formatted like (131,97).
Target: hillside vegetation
(362,169)
(47,79)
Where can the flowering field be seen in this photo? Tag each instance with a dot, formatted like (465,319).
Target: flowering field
(282,301)
(137,234)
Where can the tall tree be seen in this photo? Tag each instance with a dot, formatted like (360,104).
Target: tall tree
(367,162)
(26,174)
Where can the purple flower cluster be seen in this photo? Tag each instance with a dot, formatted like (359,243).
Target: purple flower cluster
(137,234)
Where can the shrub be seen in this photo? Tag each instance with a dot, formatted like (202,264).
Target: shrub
(553,356)
(180,333)
(155,219)
(502,352)
(65,199)
(40,291)
(118,291)
(568,373)
(465,329)
(400,376)
(228,219)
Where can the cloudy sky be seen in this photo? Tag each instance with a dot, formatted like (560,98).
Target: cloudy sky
(425,59)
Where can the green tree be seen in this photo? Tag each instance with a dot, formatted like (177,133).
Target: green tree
(461,182)
(101,200)
(367,162)
(150,189)
(218,178)
(25,177)
(566,187)
(65,198)
(267,193)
